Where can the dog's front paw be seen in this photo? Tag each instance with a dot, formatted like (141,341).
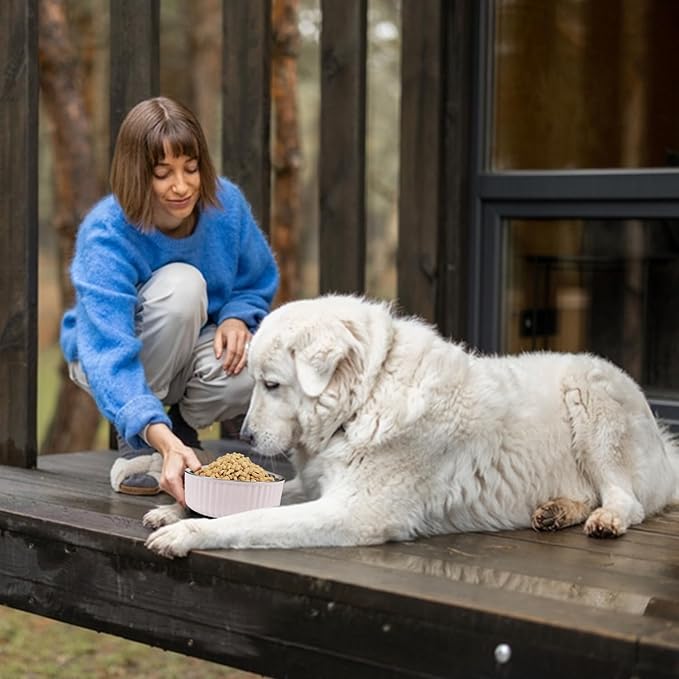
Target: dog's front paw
(163,515)
(177,539)
(604,523)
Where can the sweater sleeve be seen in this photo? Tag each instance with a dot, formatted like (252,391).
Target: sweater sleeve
(108,349)
(257,275)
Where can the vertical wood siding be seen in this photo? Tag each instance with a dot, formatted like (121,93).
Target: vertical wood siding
(18,231)
(434,149)
(342,146)
(246,97)
(135,50)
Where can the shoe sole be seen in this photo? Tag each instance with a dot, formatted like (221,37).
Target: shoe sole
(137,490)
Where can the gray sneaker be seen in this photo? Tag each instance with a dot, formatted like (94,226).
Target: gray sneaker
(136,471)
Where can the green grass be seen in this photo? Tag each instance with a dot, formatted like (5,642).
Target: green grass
(33,647)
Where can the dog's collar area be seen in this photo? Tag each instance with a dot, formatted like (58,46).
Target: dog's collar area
(342,429)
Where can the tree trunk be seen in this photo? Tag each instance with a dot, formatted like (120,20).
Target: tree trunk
(286,152)
(76,418)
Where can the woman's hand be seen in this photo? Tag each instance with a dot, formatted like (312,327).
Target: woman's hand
(176,458)
(231,345)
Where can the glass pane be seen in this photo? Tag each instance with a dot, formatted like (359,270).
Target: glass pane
(609,287)
(585,84)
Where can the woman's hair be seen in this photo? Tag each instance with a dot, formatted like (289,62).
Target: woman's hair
(140,146)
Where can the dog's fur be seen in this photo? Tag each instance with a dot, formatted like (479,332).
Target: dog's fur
(397,433)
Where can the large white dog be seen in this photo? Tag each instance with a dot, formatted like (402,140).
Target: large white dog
(396,433)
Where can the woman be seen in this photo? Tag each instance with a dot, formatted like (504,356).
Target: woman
(172,276)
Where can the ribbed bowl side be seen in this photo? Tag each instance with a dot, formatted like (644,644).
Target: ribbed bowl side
(216,497)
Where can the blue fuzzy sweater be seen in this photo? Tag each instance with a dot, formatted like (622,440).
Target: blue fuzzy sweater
(113,258)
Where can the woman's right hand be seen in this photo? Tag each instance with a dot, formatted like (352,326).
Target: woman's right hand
(176,458)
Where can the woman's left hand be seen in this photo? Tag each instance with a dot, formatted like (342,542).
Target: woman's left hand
(231,343)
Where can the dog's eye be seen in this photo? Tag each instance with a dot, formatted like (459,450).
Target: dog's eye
(270,386)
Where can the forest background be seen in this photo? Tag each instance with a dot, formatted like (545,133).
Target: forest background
(74,153)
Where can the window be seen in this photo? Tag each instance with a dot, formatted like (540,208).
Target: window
(585,84)
(574,231)
(601,285)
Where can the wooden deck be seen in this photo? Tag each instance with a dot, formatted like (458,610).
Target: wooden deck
(568,606)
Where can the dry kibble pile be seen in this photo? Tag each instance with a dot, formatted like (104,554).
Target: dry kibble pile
(235,467)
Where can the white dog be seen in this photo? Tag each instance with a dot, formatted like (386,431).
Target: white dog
(396,433)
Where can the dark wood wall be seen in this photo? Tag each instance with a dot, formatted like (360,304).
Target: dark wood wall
(436,94)
(135,57)
(18,230)
(436,82)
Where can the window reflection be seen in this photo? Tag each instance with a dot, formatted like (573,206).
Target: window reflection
(585,84)
(610,287)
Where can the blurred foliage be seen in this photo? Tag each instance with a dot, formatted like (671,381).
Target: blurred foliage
(190,59)
(182,24)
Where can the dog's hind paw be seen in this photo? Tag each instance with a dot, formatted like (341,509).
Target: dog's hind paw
(164,515)
(604,523)
(549,516)
(559,513)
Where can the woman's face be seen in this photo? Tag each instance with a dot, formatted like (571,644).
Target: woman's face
(176,190)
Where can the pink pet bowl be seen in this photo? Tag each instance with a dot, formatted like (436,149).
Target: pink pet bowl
(215,497)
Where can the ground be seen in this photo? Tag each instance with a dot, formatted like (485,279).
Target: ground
(33,647)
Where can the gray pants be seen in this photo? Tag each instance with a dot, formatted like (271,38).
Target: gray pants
(177,353)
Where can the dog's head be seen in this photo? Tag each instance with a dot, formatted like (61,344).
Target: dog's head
(307,360)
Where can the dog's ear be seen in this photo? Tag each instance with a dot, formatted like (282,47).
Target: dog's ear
(316,363)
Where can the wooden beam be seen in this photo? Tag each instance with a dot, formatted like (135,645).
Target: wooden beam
(135,50)
(436,100)
(421,149)
(246,102)
(18,230)
(246,105)
(135,68)
(342,146)
(459,21)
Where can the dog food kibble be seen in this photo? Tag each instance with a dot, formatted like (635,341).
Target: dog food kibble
(235,467)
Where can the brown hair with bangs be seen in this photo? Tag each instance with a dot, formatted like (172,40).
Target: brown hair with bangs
(140,146)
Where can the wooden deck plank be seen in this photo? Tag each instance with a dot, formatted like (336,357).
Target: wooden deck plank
(486,560)
(424,553)
(578,570)
(590,582)
(544,571)
(251,615)
(567,605)
(662,548)
(666,523)
(580,575)
(370,579)
(432,554)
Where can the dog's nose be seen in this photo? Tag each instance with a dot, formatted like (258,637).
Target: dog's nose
(246,435)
